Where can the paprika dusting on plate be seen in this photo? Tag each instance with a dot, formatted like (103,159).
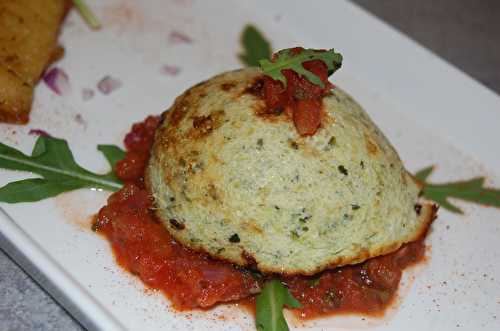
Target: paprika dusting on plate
(194,280)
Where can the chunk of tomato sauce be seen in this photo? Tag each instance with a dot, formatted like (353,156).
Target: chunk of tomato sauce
(191,280)
(300,99)
(366,288)
(145,248)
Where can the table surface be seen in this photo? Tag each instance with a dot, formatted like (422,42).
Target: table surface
(465,33)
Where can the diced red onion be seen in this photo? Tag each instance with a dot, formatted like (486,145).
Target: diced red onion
(87,93)
(39,132)
(108,84)
(177,37)
(170,70)
(57,80)
(79,119)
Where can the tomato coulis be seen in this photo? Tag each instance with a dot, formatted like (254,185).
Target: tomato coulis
(192,280)
(300,100)
(144,247)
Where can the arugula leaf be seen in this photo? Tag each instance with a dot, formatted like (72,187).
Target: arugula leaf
(52,159)
(112,153)
(255,45)
(422,174)
(87,14)
(471,190)
(269,306)
(285,59)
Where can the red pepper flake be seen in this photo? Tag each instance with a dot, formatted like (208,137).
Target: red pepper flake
(39,132)
(177,37)
(87,93)
(108,84)
(57,80)
(170,70)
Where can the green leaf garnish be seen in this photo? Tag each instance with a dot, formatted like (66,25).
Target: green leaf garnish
(472,190)
(112,153)
(52,159)
(286,59)
(422,174)
(269,306)
(255,45)
(87,14)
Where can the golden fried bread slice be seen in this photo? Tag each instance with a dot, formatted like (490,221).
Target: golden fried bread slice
(50,11)
(28,43)
(15,98)
(27,37)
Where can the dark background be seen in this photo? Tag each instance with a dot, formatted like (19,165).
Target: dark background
(464,32)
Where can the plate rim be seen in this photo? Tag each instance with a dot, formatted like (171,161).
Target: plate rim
(52,277)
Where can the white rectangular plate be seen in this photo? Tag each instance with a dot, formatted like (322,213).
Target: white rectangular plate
(432,113)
